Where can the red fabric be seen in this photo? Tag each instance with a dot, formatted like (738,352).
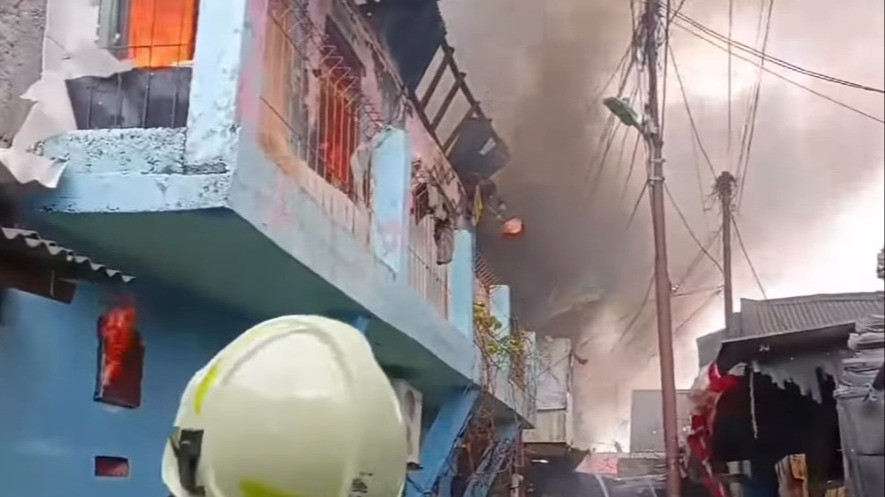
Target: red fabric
(702,419)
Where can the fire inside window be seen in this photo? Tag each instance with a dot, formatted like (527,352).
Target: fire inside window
(338,125)
(150,33)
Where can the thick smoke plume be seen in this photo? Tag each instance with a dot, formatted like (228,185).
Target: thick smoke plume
(539,66)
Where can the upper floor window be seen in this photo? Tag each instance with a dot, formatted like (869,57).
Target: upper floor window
(157,36)
(150,33)
(323,128)
(339,125)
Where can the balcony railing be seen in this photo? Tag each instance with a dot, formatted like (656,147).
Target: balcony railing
(434,214)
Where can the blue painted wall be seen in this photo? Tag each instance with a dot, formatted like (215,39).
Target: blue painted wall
(391,178)
(50,427)
(500,297)
(462,282)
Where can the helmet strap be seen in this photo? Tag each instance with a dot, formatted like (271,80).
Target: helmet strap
(187,446)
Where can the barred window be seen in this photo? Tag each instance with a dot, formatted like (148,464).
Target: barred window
(150,33)
(339,112)
(295,49)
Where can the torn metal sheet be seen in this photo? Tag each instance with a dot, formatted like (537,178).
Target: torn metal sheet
(802,371)
(24,245)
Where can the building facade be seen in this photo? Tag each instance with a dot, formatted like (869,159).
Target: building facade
(245,159)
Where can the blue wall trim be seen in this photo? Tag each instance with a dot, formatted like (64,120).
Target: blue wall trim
(492,460)
(500,300)
(391,176)
(438,447)
(462,282)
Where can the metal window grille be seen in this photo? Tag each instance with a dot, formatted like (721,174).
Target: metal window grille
(428,278)
(324,133)
(150,33)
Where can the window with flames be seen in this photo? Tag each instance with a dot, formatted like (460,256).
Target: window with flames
(339,111)
(151,33)
(120,359)
(295,50)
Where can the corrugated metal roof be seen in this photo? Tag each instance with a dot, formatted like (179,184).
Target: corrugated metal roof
(763,317)
(17,244)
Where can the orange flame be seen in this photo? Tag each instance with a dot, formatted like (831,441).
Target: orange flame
(120,338)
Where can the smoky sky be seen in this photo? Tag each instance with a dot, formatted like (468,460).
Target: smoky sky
(538,68)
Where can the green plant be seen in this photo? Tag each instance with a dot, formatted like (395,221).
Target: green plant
(488,327)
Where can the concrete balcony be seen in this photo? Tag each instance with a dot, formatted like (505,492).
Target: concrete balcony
(246,205)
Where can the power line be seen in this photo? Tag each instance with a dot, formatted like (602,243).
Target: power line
(710,298)
(784,78)
(774,60)
(737,232)
(730,37)
(636,205)
(750,129)
(691,121)
(632,165)
(644,303)
(688,228)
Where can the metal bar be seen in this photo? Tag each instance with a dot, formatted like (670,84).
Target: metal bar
(446,63)
(458,84)
(457,131)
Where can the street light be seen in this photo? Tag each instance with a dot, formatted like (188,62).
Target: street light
(622,110)
(648,129)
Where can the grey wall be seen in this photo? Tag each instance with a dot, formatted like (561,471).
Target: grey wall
(22,23)
(646,413)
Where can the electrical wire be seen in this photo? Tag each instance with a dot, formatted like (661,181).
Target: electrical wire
(630,169)
(750,129)
(613,126)
(644,303)
(737,231)
(730,57)
(784,78)
(690,231)
(728,40)
(666,46)
(710,298)
(636,206)
(691,121)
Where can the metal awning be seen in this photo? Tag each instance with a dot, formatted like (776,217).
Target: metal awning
(27,247)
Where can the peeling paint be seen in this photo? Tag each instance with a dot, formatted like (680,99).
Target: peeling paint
(139,192)
(69,51)
(213,130)
(146,151)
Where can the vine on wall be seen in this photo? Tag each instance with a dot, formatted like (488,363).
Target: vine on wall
(512,347)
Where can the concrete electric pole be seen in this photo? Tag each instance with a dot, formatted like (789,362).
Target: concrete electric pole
(650,128)
(725,189)
(663,287)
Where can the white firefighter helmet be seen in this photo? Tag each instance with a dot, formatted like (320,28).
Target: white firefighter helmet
(294,407)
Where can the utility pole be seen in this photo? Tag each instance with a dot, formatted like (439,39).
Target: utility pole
(725,189)
(663,286)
